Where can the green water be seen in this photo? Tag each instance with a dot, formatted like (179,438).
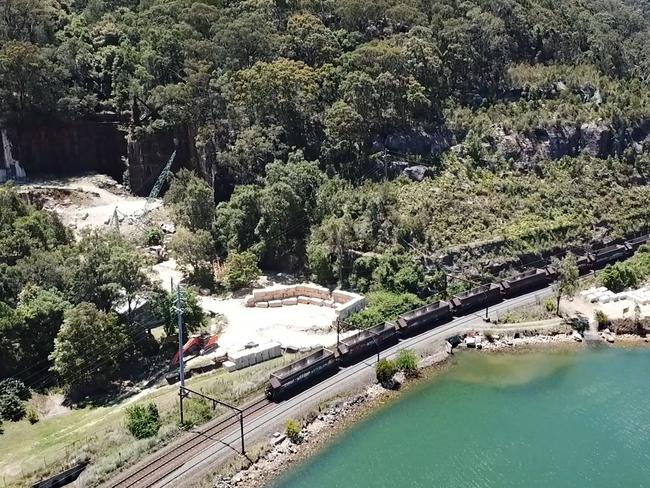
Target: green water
(578,419)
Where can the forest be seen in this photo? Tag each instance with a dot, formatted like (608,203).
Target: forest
(385,146)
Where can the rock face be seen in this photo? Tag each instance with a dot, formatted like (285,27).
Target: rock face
(148,155)
(69,148)
(425,143)
(595,139)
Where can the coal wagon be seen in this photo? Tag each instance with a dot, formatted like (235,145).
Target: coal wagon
(300,373)
(425,316)
(476,298)
(524,282)
(366,341)
(636,242)
(606,255)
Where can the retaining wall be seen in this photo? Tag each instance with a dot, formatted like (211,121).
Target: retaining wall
(343,302)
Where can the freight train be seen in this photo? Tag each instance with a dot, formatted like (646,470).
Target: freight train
(323,362)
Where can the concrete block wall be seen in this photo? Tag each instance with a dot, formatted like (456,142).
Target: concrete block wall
(250,357)
(346,309)
(343,302)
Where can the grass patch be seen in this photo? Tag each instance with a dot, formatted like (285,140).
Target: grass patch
(531,313)
(29,453)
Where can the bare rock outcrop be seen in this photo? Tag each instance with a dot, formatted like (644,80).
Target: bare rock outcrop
(596,139)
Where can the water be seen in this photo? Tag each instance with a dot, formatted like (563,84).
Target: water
(570,419)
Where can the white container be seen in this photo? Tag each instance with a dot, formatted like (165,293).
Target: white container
(249,357)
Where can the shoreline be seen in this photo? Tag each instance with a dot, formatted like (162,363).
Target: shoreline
(320,429)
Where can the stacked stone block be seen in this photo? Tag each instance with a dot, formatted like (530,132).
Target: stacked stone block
(343,302)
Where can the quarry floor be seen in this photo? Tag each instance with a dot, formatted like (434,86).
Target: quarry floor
(91,201)
(296,327)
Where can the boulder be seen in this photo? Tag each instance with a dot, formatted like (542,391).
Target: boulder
(168,228)
(398,380)
(416,173)
(595,139)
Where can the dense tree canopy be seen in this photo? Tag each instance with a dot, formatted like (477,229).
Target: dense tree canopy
(527,122)
(88,347)
(67,306)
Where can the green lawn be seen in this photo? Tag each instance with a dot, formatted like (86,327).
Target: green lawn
(30,452)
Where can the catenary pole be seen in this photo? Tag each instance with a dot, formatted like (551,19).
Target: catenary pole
(181,362)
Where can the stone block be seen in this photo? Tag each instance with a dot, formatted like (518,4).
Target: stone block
(316,301)
(275,303)
(341,296)
(290,301)
(309,290)
(249,301)
(262,305)
(303,299)
(260,295)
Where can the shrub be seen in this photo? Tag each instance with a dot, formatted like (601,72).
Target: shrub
(602,319)
(382,306)
(32,416)
(143,421)
(549,305)
(398,273)
(196,412)
(154,236)
(240,270)
(292,430)
(619,276)
(579,323)
(11,407)
(16,387)
(407,361)
(385,370)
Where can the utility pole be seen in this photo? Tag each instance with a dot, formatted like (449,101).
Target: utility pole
(375,338)
(338,331)
(181,361)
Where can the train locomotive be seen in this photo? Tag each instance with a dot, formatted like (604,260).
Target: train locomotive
(324,362)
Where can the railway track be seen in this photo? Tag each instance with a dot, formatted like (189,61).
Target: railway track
(218,441)
(214,453)
(149,473)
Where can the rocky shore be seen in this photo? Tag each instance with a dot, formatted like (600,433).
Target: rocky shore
(320,428)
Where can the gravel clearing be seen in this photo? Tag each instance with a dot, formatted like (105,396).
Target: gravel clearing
(91,201)
(298,327)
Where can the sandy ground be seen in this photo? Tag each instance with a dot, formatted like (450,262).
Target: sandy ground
(49,405)
(91,201)
(614,310)
(164,272)
(297,326)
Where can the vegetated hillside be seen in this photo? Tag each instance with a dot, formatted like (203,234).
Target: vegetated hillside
(530,119)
